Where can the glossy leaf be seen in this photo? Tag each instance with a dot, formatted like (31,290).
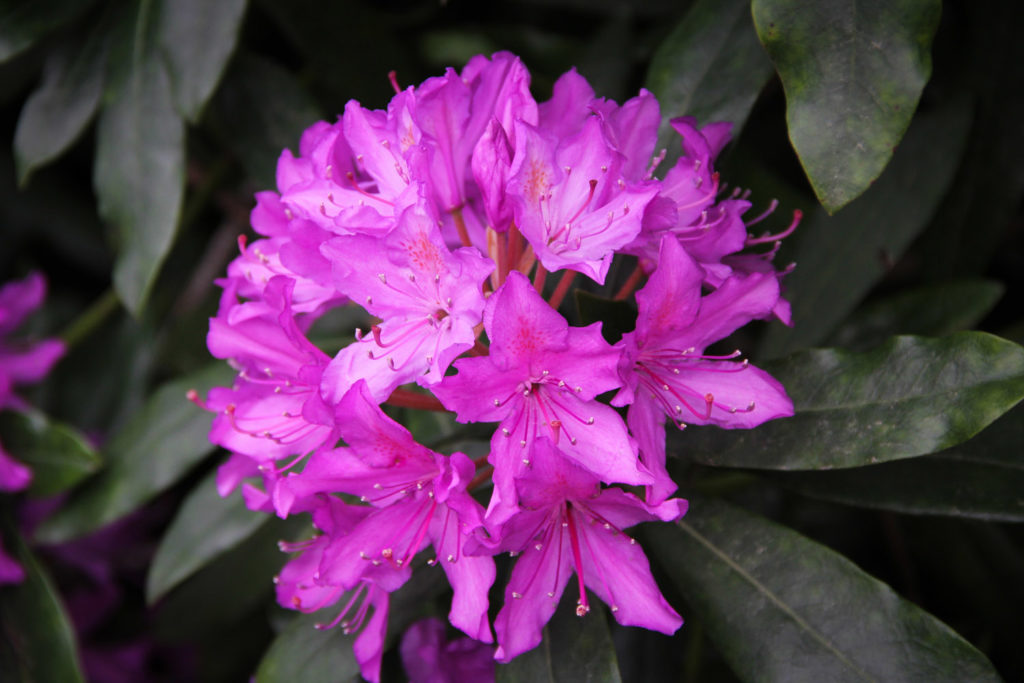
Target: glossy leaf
(912,396)
(198,37)
(573,649)
(303,653)
(37,640)
(205,527)
(838,259)
(164,439)
(931,310)
(65,102)
(711,66)
(981,478)
(235,586)
(23,23)
(59,456)
(780,607)
(853,72)
(262,109)
(139,172)
(971,223)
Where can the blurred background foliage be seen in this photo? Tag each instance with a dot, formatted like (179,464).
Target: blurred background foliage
(140,130)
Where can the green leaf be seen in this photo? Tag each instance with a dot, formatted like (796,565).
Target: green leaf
(164,439)
(205,527)
(37,640)
(64,103)
(235,586)
(853,72)
(23,23)
(971,223)
(780,607)
(262,109)
(912,396)
(197,38)
(981,478)
(572,649)
(139,172)
(303,653)
(711,67)
(932,310)
(839,258)
(59,456)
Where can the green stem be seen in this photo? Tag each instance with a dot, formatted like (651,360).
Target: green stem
(91,318)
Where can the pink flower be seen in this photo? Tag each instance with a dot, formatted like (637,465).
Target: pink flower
(20,363)
(569,524)
(666,372)
(432,216)
(540,380)
(429,657)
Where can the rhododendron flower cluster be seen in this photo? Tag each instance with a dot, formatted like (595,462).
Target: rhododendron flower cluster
(21,362)
(459,218)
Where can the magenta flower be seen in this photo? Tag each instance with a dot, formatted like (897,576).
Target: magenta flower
(275,408)
(540,380)
(429,657)
(433,216)
(569,524)
(418,496)
(666,372)
(20,363)
(571,201)
(429,298)
(365,608)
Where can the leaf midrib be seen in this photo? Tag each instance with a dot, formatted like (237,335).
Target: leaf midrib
(775,600)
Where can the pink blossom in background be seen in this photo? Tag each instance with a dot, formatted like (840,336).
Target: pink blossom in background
(21,362)
(459,219)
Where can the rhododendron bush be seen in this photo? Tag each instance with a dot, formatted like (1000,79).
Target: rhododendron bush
(519,343)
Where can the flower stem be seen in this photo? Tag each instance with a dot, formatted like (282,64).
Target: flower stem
(630,284)
(90,319)
(538,278)
(562,289)
(403,398)
(460,225)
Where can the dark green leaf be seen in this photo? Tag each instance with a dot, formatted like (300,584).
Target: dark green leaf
(839,258)
(573,649)
(932,310)
(162,441)
(205,527)
(139,173)
(262,109)
(304,653)
(973,220)
(981,478)
(37,641)
(62,106)
(711,66)
(237,585)
(23,23)
(853,72)
(59,456)
(780,607)
(198,37)
(912,396)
